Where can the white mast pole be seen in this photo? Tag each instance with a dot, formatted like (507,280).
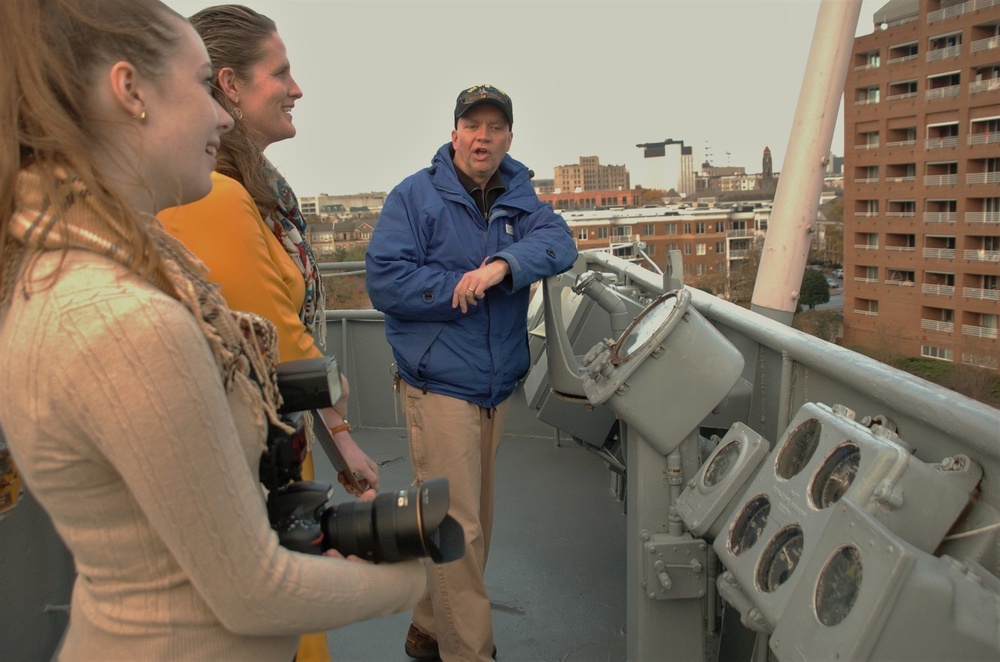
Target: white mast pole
(786,245)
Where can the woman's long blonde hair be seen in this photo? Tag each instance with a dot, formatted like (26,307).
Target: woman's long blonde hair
(51,53)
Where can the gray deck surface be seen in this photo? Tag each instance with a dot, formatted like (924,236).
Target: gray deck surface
(557,565)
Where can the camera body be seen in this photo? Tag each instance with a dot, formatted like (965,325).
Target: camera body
(395,526)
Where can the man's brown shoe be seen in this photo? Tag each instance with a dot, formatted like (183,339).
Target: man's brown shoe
(420,645)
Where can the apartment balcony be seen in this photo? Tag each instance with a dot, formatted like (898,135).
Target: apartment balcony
(940,216)
(898,97)
(979,331)
(940,180)
(866,214)
(739,254)
(740,233)
(866,102)
(986,138)
(982,178)
(982,217)
(982,256)
(985,44)
(902,249)
(958,10)
(866,145)
(943,92)
(900,214)
(981,294)
(866,313)
(896,180)
(979,86)
(940,290)
(939,253)
(866,247)
(934,325)
(938,143)
(939,54)
(866,280)
(901,143)
(866,180)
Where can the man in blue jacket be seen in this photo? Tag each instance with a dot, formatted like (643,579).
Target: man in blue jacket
(450,264)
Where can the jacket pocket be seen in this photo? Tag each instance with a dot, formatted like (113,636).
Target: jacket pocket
(412,343)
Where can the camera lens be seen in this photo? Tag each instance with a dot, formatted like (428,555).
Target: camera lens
(396,526)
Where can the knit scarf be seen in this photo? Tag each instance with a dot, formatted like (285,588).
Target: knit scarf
(244,345)
(288,225)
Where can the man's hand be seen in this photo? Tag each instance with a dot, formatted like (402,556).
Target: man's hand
(473,285)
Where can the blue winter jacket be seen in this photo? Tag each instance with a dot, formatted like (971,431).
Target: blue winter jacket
(430,234)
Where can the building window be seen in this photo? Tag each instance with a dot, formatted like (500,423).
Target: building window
(581,234)
(602,233)
(903,52)
(940,353)
(669,228)
(979,360)
(904,89)
(699,249)
(687,249)
(720,247)
(866,307)
(648,229)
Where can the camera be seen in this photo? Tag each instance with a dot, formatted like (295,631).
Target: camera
(395,526)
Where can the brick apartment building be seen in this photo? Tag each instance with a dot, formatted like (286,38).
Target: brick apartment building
(921,176)
(713,241)
(590,175)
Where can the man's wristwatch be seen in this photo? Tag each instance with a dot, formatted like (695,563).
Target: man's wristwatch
(345,426)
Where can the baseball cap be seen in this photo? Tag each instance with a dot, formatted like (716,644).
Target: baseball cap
(484,94)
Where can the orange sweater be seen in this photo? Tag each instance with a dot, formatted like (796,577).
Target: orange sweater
(226,231)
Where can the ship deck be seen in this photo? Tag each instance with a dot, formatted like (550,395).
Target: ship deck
(556,571)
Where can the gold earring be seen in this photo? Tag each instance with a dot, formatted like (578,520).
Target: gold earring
(237,113)
(141,116)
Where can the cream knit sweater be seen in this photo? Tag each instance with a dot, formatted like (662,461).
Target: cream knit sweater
(116,415)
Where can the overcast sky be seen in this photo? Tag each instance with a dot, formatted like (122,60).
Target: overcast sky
(587,77)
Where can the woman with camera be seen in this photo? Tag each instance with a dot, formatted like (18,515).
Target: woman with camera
(134,401)
(249,231)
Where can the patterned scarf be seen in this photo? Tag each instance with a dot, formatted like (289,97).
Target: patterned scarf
(289,227)
(244,345)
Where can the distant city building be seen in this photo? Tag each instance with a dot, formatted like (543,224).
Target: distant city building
(735,178)
(922,165)
(543,186)
(325,237)
(685,173)
(654,157)
(712,240)
(335,205)
(590,175)
(766,182)
(593,199)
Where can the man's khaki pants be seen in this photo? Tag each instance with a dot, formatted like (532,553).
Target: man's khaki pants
(457,440)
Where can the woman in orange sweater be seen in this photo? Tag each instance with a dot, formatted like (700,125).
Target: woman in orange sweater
(249,230)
